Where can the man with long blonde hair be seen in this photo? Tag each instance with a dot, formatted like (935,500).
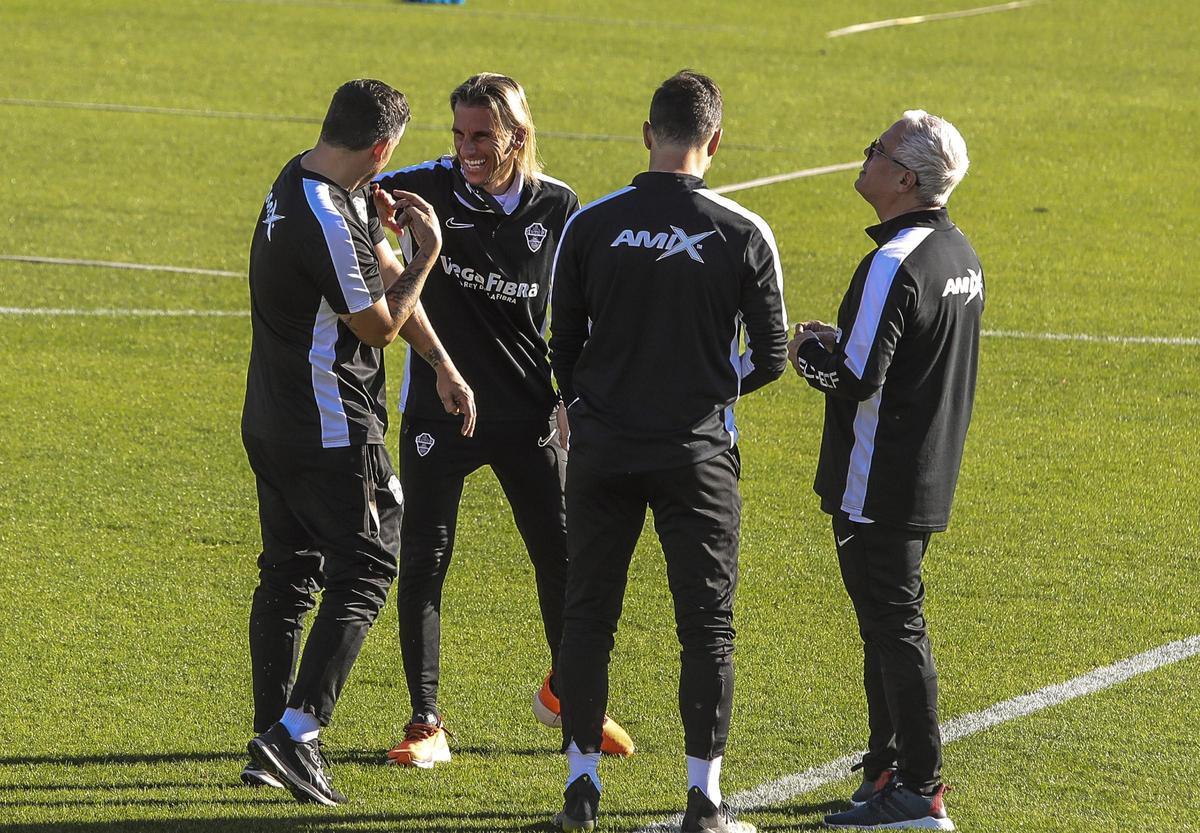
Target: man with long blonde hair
(502,219)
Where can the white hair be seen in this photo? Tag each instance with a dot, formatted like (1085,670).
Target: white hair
(934,150)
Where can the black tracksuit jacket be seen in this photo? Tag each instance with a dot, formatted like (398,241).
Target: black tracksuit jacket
(653,286)
(900,382)
(487,296)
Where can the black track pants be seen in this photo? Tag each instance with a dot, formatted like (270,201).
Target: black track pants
(434,461)
(881,569)
(697,516)
(330,522)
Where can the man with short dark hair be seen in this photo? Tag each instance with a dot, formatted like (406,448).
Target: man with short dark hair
(898,374)
(326,294)
(653,285)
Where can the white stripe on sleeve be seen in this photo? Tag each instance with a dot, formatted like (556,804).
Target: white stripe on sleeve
(341,247)
(884,267)
(335,428)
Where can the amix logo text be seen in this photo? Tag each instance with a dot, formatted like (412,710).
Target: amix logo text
(677,242)
(492,283)
(970,284)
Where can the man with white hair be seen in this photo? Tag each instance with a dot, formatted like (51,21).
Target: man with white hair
(898,374)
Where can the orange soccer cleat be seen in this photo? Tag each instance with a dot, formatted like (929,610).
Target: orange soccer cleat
(546,708)
(424,743)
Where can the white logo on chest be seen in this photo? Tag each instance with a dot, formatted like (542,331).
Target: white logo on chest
(535,235)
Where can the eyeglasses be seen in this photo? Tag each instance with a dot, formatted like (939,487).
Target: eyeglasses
(874,148)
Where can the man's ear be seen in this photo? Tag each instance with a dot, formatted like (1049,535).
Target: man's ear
(518,138)
(714,142)
(647,135)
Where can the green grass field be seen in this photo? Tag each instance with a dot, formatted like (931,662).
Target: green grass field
(128,523)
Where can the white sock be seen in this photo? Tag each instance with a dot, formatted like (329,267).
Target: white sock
(582,764)
(302,726)
(707,776)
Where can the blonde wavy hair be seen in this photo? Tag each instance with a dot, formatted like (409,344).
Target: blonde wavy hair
(505,98)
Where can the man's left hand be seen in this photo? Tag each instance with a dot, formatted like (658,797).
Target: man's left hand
(457,398)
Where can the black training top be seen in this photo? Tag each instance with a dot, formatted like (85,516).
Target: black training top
(652,287)
(487,296)
(311,382)
(900,384)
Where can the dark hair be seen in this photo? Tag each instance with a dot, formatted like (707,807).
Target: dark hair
(363,113)
(686,109)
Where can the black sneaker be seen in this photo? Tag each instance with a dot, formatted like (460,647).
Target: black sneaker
(254,775)
(702,816)
(300,766)
(581,804)
(867,789)
(896,806)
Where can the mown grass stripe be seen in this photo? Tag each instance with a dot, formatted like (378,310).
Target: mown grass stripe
(124,313)
(147,109)
(1175,341)
(790,786)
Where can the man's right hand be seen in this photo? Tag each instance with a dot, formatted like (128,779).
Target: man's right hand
(420,219)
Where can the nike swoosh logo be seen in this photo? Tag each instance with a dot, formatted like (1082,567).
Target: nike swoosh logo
(543,443)
(452,224)
(843,541)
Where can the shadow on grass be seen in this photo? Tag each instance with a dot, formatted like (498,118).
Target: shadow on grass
(56,799)
(336,756)
(799,816)
(121,758)
(343,822)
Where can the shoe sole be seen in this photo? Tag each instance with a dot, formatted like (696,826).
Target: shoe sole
(439,757)
(564,822)
(300,790)
(543,713)
(739,826)
(927,823)
(261,778)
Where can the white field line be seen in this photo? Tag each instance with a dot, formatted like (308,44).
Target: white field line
(125,313)
(771,180)
(790,786)
(112,264)
(1176,341)
(104,106)
(1181,341)
(926,18)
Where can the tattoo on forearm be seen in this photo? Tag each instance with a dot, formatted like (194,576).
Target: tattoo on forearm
(435,356)
(403,294)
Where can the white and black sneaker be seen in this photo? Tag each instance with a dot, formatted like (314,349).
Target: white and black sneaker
(300,766)
(581,806)
(254,775)
(702,816)
(894,807)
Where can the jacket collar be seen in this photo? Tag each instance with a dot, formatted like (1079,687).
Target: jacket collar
(937,219)
(668,180)
(478,199)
